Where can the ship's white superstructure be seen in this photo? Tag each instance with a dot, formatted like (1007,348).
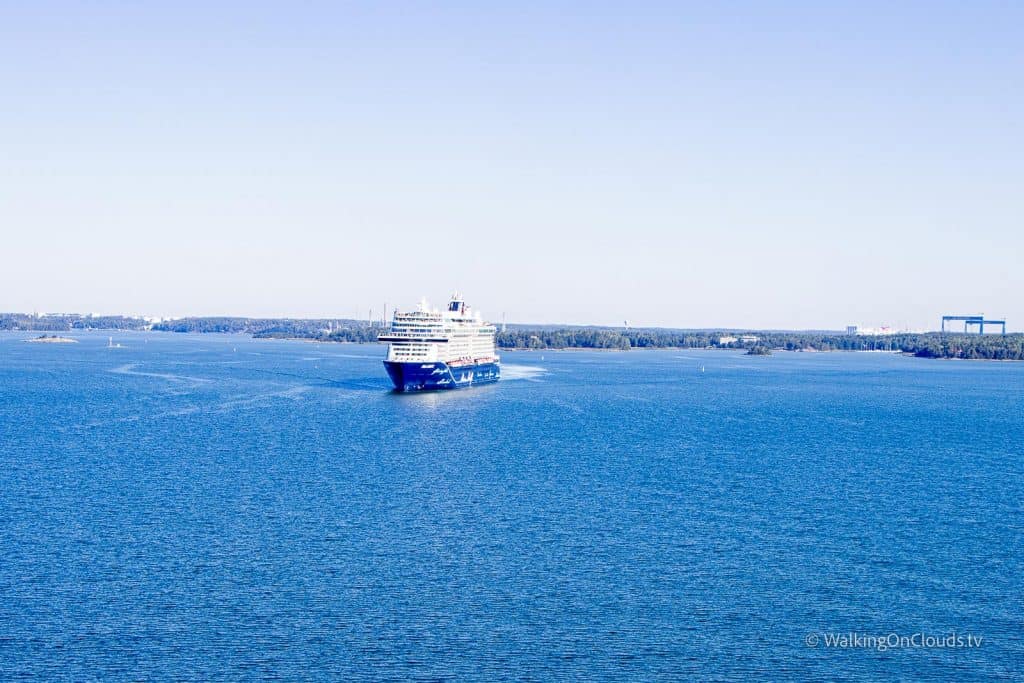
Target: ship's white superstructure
(455,335)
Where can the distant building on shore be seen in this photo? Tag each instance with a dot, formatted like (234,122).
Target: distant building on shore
(872,331)
(743,339)
(869,332)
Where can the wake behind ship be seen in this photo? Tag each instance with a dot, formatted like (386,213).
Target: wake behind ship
(430,349)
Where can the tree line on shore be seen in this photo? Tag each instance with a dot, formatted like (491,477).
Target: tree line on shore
(925,345)
(325,329)
(63,322)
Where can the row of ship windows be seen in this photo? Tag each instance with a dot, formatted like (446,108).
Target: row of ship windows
(439,331)
(454,328)
(479,343)
(401,347)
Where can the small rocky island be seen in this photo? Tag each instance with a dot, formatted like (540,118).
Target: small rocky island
(52,339)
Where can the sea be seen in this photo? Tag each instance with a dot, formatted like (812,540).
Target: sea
(213,507)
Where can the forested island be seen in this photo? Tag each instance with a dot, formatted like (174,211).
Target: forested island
(65,322)
(315,329)
(924,345)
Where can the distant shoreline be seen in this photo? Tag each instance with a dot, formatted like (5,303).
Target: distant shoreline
(547,337)
(511,349)
(894,352)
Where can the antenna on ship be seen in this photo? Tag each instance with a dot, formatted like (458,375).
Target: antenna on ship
(502,322)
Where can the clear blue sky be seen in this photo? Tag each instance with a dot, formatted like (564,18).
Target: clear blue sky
(785,165)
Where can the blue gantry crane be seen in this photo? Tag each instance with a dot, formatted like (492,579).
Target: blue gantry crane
(969,320)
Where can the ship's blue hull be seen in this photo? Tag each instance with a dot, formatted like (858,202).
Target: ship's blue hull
(428,376)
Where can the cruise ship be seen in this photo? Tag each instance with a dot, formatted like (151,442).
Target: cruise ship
(449,349)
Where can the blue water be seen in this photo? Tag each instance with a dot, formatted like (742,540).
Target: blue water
(219,508)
